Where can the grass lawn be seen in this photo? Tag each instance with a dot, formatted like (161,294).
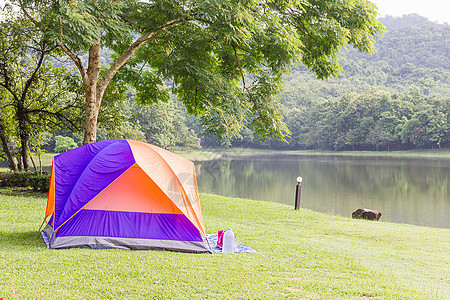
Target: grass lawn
(302,255)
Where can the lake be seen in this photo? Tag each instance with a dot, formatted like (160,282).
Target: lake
(411,191)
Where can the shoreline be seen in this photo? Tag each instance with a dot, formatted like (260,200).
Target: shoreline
(208,154)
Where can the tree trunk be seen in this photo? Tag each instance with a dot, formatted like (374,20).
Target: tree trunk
(91,110)
(90,90)
(40,163)
(19,162)
(24,152)
(94,89)
(6,150)
(32,160)
(23,134)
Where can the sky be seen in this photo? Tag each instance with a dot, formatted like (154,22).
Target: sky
(434,10)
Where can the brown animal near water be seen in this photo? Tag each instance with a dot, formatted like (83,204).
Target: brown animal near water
(368,214)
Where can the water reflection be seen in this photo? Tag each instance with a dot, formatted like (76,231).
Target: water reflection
(405,190)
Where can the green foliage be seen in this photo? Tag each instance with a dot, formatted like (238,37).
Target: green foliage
(64,143)
(158,123)
(410,53)
(14,179)
(414,132)
(370,121)
(162,124)
(35,95)
(39,182)
(225,59)
(375,96)
(439,128)
(378,137)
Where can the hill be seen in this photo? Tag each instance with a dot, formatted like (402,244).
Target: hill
(397,98)
(413,53)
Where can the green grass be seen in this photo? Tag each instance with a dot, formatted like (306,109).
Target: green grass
(302,255)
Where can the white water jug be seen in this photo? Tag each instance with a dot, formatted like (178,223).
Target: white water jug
(228,241)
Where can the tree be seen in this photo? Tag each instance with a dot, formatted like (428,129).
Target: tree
(378,137)
(157,121)
(5,134)
(353,137)
(31,88)
(414,132)
(438,128)
(224,58)
(64,143)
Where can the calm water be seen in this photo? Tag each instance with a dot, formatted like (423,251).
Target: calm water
(412,191)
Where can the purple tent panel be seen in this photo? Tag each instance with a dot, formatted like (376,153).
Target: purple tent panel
(82,173)
(130,225)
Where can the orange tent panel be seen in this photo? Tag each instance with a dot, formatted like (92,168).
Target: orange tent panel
(141,194)
(51,194)
(174,175)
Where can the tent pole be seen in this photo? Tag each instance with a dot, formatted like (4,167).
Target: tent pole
(40,227)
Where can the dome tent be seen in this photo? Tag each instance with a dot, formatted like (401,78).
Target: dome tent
(123,194)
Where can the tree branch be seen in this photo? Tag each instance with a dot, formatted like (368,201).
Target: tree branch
(58,115)
(122,60)
(73,56)
(7,82)
(76,60)
(240,68)
(30,17)
(33,75)
(146,61)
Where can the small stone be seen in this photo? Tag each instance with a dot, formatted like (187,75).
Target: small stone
(368,214)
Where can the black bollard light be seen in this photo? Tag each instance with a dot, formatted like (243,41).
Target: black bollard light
(298,193)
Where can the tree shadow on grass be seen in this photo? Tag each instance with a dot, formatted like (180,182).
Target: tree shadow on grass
(22,239)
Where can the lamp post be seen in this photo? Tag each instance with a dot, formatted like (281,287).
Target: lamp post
(298,193)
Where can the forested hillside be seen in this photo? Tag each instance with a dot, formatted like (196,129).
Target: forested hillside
(397,98)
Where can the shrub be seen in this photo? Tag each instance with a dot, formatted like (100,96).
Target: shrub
(39,182)
(64,143)
(13,179)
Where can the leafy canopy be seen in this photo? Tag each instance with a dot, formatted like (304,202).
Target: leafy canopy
(34,94)
(224,59)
